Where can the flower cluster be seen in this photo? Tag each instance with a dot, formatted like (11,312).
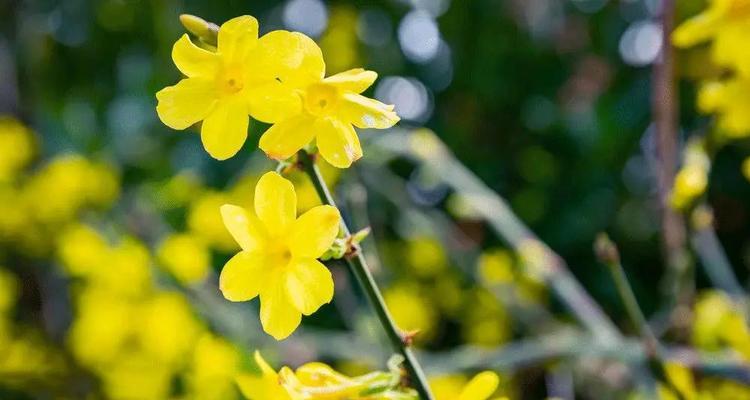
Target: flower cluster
(278,79)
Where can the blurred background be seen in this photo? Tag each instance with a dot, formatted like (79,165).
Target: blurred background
(111,240)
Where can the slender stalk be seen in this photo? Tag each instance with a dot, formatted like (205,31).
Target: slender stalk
(712,255)
(664,109)
(608,254)
(358,266)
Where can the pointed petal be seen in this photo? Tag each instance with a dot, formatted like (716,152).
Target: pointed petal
(480,387)
(224,131)
(275,203)
(242,276)
(364,112)
(278,315)
(354,80)
(292,57)
(287,137)
(193,61)
(309,285)
(186,103)
(314,232)
(237,37)
(263,365)
(274,101)
(244,227)
(337,141)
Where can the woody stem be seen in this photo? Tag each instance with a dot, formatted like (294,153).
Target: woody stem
(358,266)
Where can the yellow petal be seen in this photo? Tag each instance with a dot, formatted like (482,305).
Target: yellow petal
(275,203)
(309,285)
(292,57)
(337,141)
(480,387)
(695,30)
(224,131)
(285,138)
(186,103)
(244,227)
(364,112)
(278,315)
(193,61)
(243,276)
(354,80)
(237,37)
(274,101)
(314,231)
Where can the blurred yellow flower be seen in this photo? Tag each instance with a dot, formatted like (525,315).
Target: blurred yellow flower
(67,184)
(728,100)
(278,257)
(215,364)
(727,24)
(455,387)
(426,256)
(17,147)
(204,220)
(186,257)
(9,289)
(216,89)
(316,108)
(495,267)
(340,42)
(412,311)
(81,250)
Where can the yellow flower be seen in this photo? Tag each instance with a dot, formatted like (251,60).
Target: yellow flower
(319,381)
(315,107)
(186,257)
(453,387)
(727,23)
(216,89)
(278,257)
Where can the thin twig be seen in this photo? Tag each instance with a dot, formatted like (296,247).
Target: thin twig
(664,109)
(711,253)
(428,150)
(358,266)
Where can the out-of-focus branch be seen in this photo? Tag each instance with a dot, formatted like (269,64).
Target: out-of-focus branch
(575,344)
(426,149)
(665,118)
(711,253)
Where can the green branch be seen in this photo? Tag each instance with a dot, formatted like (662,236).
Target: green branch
(358,265)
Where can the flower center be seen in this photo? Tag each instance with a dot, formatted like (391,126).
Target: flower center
(231,80)
(280,253)
(321,99)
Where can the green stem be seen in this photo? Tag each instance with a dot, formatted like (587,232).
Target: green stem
(358,266)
